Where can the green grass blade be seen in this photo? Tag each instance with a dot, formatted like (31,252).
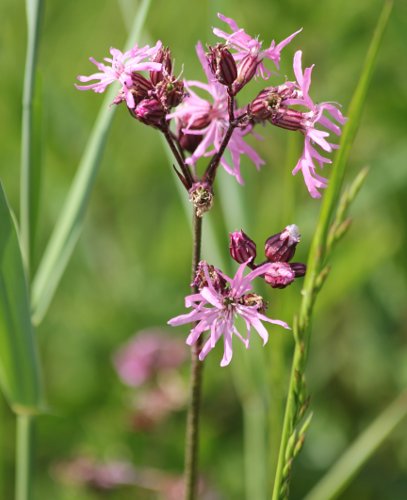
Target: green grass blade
(349,464)
(341,159)
(19,367)
(69,225)
(28,184)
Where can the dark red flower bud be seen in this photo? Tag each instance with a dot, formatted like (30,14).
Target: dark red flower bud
(245,72)
(281,246)
(206,271)
(288,118)
(222,64)
(241,247)
(201,196)
(150,112)
(279,275)
(298,268)
(162,56)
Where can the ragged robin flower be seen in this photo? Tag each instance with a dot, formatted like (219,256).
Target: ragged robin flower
(215,309)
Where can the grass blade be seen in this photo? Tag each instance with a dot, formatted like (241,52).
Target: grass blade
(349,464)
(29,188)
(69,224)
(19,366)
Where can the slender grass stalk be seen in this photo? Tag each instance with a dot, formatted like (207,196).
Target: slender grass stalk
(70,221)
(192,430)
(24,457)
(349,464)
(293,432)
(34,8)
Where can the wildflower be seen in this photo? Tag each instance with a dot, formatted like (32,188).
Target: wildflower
(248,52)
(222,64)
(122,66)
(215,310)
(210,121)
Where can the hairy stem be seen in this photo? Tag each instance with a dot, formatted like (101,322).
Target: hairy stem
(192,431)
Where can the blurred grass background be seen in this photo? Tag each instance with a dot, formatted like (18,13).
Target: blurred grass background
(131,268)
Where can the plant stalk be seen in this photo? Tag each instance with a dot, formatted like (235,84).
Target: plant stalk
(192,430)
(24,457)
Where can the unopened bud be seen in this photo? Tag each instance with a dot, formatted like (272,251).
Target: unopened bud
(201,196)
(287,118)
(150,112)
(222,64)
(205,271)
(279,275)
(241,247)
(281,246)
(299,269)
(245,72)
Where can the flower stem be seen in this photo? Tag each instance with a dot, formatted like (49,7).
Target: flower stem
(192,431)
(180,160)
(24,457)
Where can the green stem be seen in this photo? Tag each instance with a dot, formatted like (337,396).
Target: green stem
(192,430)
(24,457)
(34,8)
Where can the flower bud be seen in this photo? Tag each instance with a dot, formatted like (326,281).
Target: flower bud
(201,196)
(150,112)
(299,269)
(281,246)
(205,271)
(287,118)
(241,247)
(279,275)
(170,92)
(222,64)
(245,72)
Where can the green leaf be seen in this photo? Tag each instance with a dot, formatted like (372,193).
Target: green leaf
(19,365)
(69,224)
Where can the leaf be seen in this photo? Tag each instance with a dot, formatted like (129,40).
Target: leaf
(69,224)
(19,364)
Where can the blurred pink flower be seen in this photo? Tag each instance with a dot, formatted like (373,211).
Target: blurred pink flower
(246,46)
(224,306)
(122,65)
(146,354)
(213,119)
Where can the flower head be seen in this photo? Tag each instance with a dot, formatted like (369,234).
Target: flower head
(249,50)
(209,121)
(121,67)
(215,310)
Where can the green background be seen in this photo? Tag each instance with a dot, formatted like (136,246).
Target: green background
(131,268)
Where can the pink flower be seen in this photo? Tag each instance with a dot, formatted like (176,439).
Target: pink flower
(310,119)
(122,65)
(245,46)
(213,120)
(146,354)
(215,310)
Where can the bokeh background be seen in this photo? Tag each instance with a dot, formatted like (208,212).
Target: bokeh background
(131,267)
